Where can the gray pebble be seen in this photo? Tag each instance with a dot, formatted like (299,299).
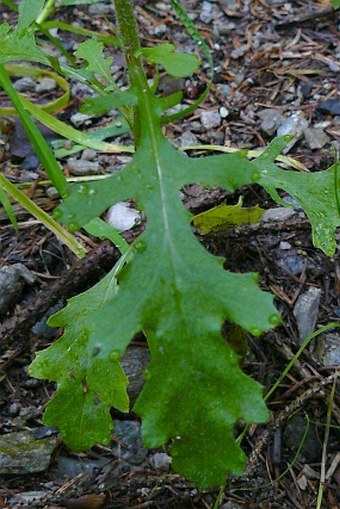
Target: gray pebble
(210,119)
(223,90)
(82,167)
(12,281)
(46,85)
(271,120)
(25,84)
(160,461)
(79,119)
(21,453)
(315,138)
(89,154)
(306,311)
(332,350)
(128,436)
(188,138)
(278,214)
(52,193)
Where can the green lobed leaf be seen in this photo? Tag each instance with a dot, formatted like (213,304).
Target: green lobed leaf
(315,192)
(102,104)
(85,363)
(176,63)
(14,47)
(91,51)
(179,295)
(335,4)
(29,10)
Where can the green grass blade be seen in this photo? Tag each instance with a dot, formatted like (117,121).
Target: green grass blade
(4,200)
(68,132)
(63,235)
(40,146)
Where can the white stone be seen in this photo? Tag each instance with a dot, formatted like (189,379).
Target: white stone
(122,217)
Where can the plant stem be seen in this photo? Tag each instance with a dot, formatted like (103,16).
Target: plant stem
(46,11)
(129,34)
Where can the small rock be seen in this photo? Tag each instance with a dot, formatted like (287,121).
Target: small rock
(278,214)
(315,138)
(52,193)
(31,162)
(41,328)
(285,246)
(21,453)
(306,312)
(231,505)
(239,52)
(206,14)
(128,436)
(188,138)
(89,154)
(70,467)
(100,8)
(46,85)
(134,361)
(25,84)
(27,498)
(224,112)
(294,125)
(122,217)
(271,120)
(160,461)
(83,167)
(210,119)
(79,119)
(331,106)
(292,437)
(223,90)
(291,262)
(332,350)
(12,281)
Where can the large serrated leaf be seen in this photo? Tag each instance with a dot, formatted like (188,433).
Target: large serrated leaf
(179,295)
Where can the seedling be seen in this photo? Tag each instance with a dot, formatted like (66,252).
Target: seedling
(166,284)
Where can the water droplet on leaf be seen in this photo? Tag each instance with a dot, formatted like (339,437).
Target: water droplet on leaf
(114,355)
(288,137)
(274,319)
(147,375)
(73,227)
(57,214)
(255,331)
(140,246)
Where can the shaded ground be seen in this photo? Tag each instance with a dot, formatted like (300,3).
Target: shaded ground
(269,56)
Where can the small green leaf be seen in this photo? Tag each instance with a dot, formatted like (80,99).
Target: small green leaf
(29,10)
(177,64)
(221,217)
(92,51)
(101,104)
(335,4)
(316,193)
(14,47)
